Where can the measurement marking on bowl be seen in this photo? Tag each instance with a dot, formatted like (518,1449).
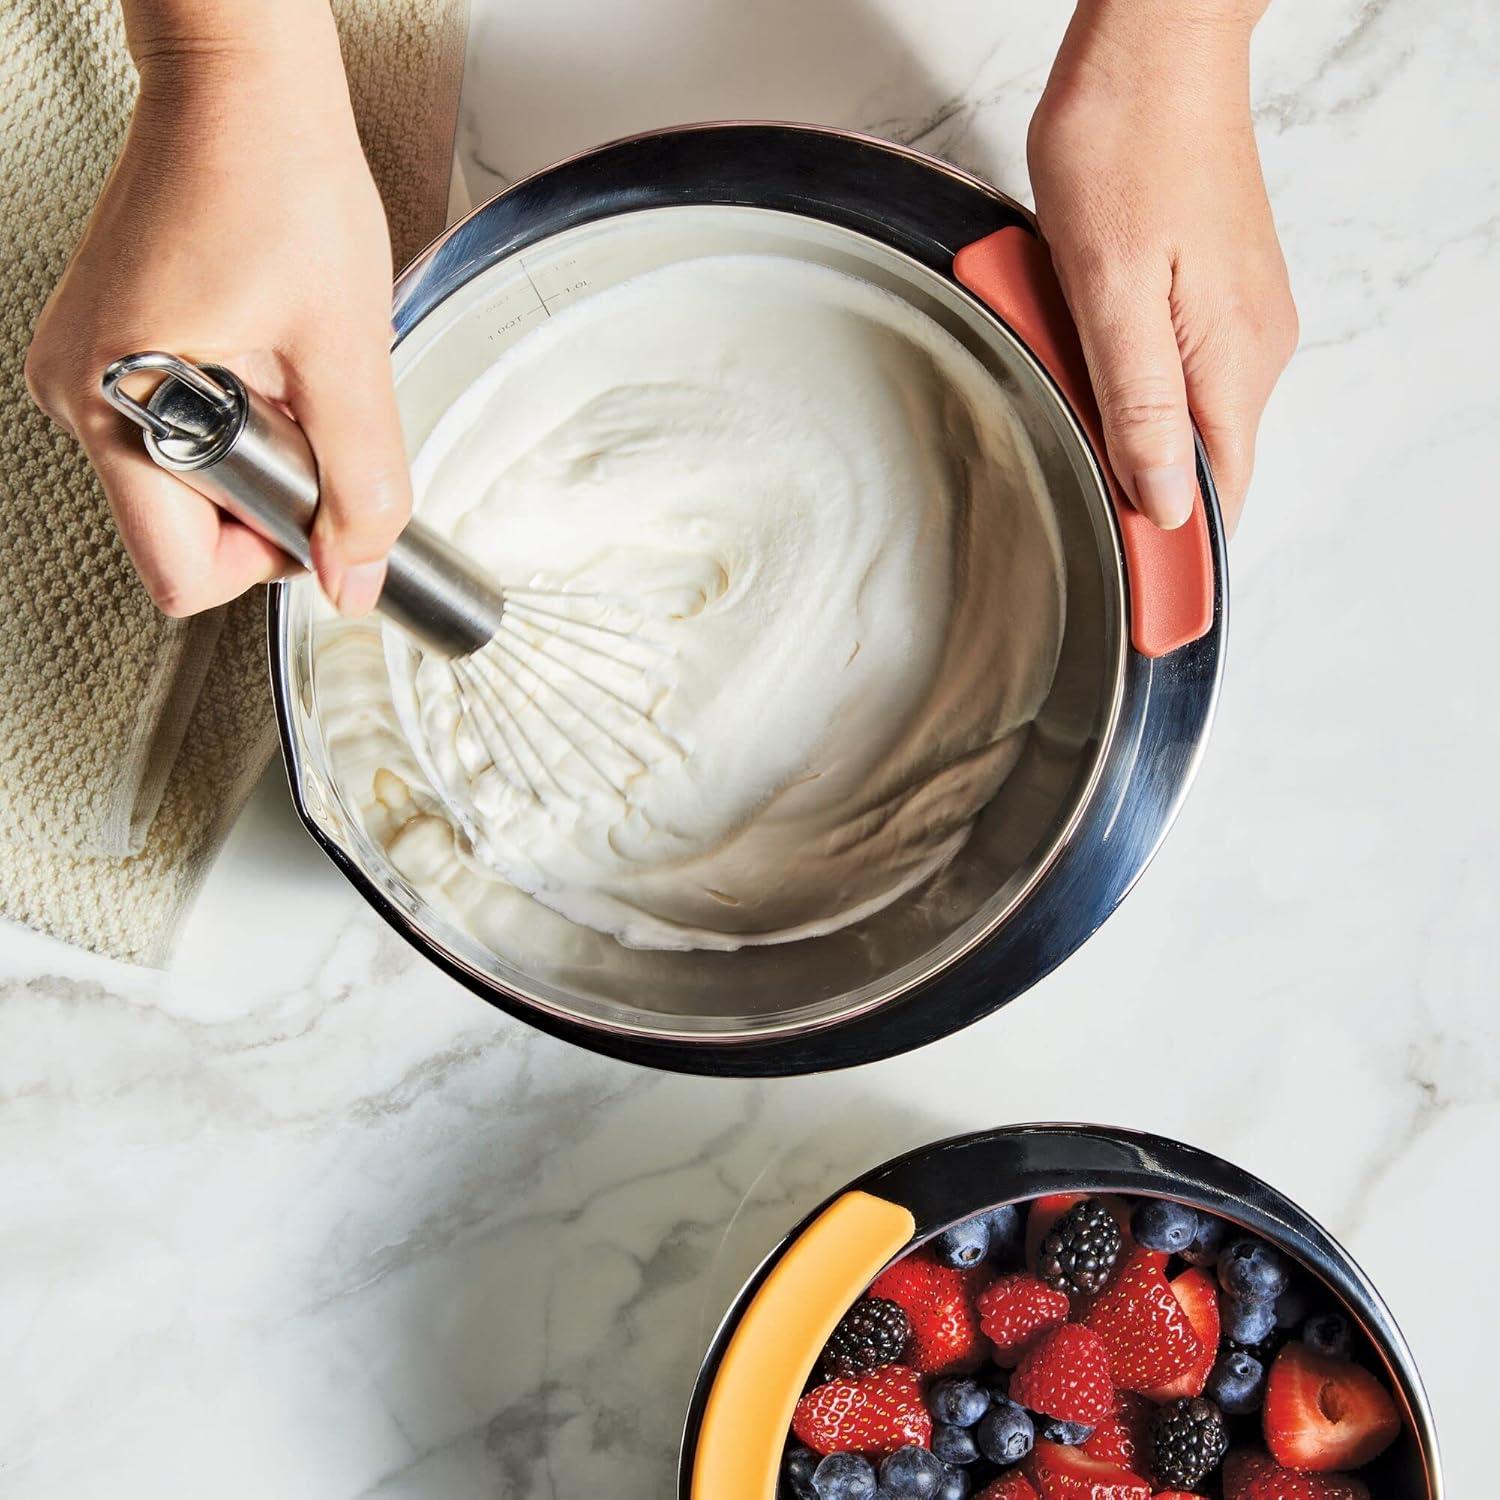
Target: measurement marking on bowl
(532,284)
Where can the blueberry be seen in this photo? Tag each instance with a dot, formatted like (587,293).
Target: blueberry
(1237,1382)
(845,1476)
(797,1464)
(1251,1271)
(1007,1225)
(1292,1305)
(958,1403)
(1069,1434)
(963,1245)
(1208,1241)
(1328,1334)
(1161,1224)
(1246,1322)
(1005,1434)
(954,1445)
(955,1486)
(911,1474)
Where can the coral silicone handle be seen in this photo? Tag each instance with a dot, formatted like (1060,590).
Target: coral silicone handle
(1170,572)
(779,1337)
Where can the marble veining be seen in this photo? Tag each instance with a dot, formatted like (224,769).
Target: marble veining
(301,1218)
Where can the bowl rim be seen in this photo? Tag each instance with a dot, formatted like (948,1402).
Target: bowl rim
(1163,708)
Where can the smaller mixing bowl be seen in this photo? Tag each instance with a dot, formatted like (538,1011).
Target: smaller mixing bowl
(767,1345)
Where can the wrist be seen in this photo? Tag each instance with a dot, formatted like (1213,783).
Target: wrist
(1124,48)
(205,60)
(1232,20)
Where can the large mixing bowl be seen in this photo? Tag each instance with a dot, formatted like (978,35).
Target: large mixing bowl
(1115,746)
(770,1339)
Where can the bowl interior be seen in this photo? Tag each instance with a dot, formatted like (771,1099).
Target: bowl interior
(1402,1470)
(796,986)
(946,1182)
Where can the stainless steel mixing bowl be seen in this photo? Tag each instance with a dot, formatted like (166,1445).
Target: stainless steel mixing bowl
(1116,744)
(770,1339)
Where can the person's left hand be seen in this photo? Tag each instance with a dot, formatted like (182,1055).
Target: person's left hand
(1149,193)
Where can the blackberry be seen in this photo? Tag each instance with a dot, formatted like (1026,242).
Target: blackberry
(1078,1253)
(1188,1438)
(872,1333)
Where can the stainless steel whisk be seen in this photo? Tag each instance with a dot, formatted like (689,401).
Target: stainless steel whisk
(516,654)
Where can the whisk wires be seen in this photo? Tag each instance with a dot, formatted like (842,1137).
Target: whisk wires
(555,691)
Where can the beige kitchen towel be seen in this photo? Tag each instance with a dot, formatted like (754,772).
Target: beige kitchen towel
(128,742)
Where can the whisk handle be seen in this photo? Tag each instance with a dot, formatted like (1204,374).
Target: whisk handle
(253,461)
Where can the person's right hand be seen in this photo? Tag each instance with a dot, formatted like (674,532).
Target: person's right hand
(240,226)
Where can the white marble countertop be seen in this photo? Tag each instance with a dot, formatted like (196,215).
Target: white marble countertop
(303,1219)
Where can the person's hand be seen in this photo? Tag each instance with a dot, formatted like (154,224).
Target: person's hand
(240,226)
(1149,192)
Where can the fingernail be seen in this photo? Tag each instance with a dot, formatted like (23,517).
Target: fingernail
(360,588)
(1166,494)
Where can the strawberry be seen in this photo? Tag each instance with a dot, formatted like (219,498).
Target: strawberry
(1065,1374)
(1060,1473)
(1324,1413)
(1175,1495)
(1144,1327)
(1253,1476)
(1014,1310)
(1125,1433)
(1199,1296)
(1008,1487)
(874,1415)
(939,1304)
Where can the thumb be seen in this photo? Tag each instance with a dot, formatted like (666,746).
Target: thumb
(1136,368)
(346,404)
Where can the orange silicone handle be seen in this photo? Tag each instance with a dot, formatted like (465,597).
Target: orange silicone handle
(772,1351)
(1171,573)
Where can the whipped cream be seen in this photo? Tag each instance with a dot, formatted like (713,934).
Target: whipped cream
(787,595)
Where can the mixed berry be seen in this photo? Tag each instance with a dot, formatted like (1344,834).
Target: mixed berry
(1089,1348)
